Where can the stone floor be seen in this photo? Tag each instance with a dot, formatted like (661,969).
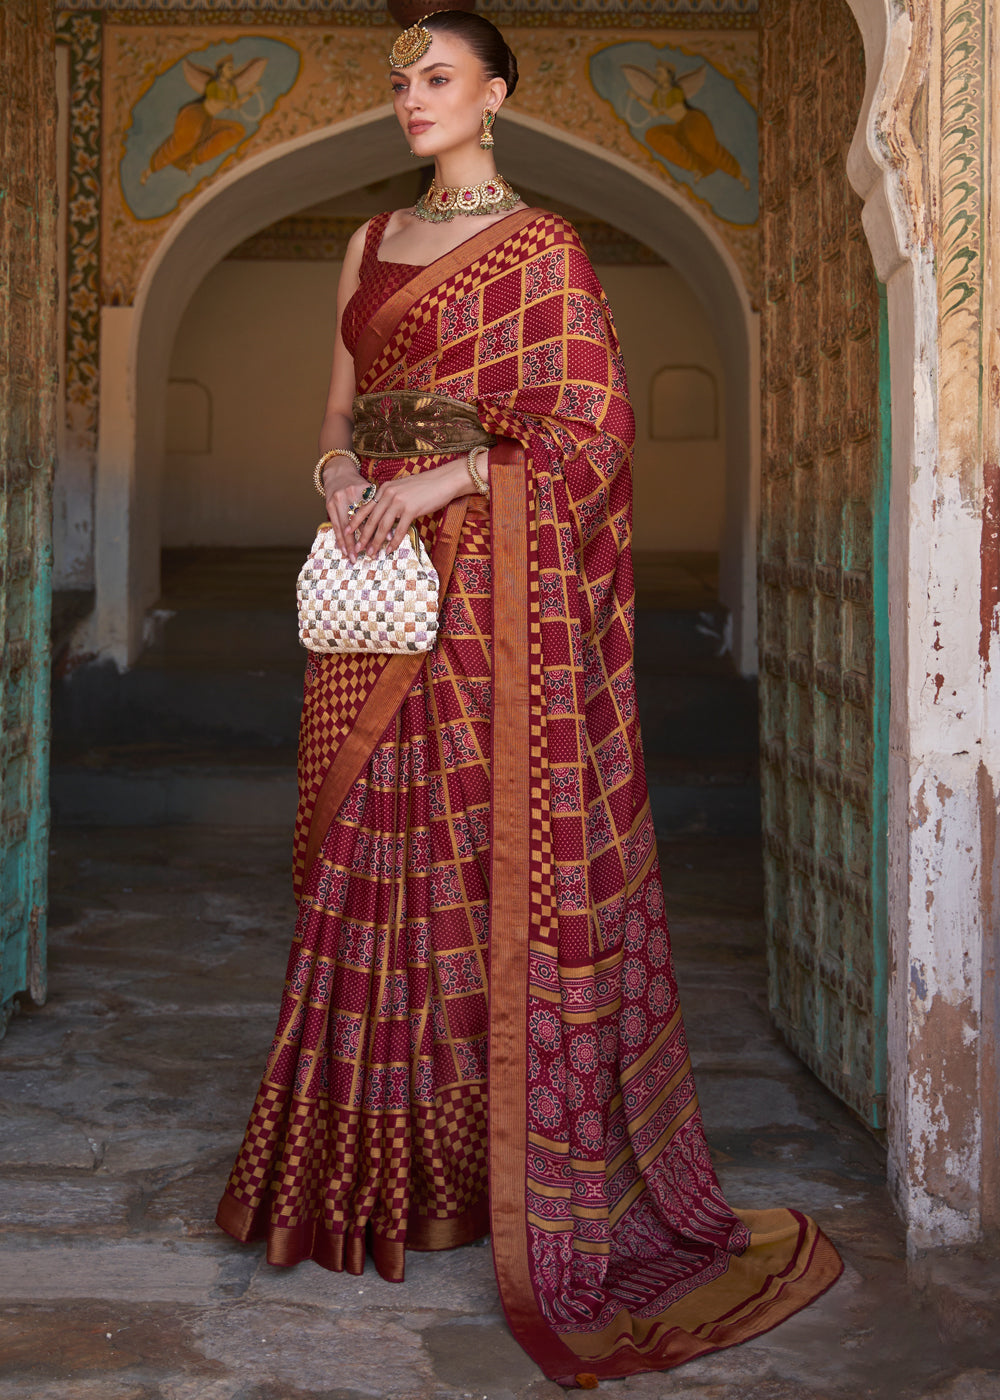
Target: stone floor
(124,1099)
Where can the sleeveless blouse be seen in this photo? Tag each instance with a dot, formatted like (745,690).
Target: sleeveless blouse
(379,281)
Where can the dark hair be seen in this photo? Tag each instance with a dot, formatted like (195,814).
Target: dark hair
(482,38)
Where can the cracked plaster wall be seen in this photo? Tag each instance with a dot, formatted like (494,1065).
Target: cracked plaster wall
(924,161)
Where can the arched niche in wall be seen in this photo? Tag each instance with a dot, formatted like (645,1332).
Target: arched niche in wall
(189,417)
(683,404)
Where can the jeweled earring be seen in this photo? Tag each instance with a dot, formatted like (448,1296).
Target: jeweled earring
(486,140)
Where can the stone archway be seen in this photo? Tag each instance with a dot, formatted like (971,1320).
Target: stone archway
(137,341)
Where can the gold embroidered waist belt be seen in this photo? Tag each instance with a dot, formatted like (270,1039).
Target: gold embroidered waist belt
(409,423)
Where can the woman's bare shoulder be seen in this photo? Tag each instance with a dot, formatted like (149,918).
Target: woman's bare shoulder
(350,271)
(356,242)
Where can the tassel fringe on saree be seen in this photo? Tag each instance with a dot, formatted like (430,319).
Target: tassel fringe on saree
(480,1027)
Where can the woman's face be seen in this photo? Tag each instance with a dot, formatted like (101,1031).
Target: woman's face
(439,100)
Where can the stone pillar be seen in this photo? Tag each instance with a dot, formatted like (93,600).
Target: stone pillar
(925,160)
(27,447)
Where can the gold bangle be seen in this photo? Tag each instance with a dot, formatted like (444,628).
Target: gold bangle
(480,484)
(333,452)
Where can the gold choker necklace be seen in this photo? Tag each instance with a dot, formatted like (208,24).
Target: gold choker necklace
(443,202)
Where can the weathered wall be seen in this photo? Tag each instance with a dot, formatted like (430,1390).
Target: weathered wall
(27,450)
(926,162)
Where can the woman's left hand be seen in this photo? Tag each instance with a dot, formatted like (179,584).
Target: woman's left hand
(383,523)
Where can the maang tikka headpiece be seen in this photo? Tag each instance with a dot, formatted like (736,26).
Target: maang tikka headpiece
(412,44)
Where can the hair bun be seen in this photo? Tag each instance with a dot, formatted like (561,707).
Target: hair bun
(511,78)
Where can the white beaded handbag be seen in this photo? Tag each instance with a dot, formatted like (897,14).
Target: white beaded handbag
(385,604)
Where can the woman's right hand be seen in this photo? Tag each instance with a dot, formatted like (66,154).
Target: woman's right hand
(343,484)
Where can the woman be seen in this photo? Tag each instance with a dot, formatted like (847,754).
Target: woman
(480,902)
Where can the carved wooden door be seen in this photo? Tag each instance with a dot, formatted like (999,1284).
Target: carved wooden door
(823,567)
(27,407)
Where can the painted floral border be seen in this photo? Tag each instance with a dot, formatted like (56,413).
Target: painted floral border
(82,34)
(271,11)
(347,14)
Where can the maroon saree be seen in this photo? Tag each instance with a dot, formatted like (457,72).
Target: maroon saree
(480,1026)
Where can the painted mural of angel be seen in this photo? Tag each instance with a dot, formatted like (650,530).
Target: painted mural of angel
(200,131)
(685,135)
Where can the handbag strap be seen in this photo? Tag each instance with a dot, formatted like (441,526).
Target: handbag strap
(384,699)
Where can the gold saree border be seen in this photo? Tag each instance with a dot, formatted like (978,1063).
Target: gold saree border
(345,1252)
(790,1262)
(509,915)
(383,702)
(749,1298)
(428,1233)
(390,314)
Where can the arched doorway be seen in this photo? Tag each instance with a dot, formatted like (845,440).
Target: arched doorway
(250,368)
(898,183)
(320,166)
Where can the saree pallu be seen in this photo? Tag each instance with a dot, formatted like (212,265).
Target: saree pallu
(480,992)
